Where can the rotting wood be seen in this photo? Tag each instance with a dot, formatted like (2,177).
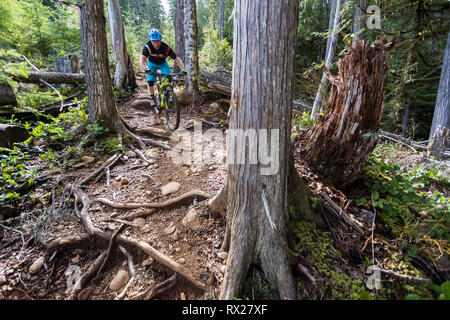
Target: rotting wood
(349,129)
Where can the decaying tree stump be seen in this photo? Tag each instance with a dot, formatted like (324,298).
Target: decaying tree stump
(67,64)
(440,141)
(343,138)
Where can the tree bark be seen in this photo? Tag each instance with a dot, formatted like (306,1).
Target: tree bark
(441,114)
(178,24)
(191,52)
(358,21)
(102,105)
(221,21)
(439,142)
(340,143)
(124,76)
(331,49)
(261,99)
(7,96)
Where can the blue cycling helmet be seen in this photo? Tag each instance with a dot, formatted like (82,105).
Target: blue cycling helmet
(154,35)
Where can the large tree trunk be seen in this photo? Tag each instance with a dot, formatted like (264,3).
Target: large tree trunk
(7,96)
(102,105)
(191,52)
(124,76)
(340,143)
(331,49)
(178,24)
(261,99)
(441,115)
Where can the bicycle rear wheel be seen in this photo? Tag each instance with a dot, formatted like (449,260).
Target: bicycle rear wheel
(172,110)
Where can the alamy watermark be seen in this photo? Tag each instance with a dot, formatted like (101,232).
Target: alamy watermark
(373,17)
(259,147)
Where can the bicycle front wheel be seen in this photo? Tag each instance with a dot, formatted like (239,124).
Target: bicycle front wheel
(172,110)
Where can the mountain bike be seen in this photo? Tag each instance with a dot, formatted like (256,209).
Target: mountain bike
(166,98)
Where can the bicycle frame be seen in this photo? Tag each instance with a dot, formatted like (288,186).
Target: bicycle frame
(162,85)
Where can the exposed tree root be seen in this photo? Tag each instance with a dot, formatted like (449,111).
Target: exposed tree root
(200,195)
(131,269)
(108,163)
(56,244)
(155,254)
(139,214)
(157,143)
(108,252)
(218,204)
(155,132)
(141,103)
(79,285)
(157,290)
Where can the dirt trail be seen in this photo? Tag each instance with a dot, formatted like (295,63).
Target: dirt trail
(194,246)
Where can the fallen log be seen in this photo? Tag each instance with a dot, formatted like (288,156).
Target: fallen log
(11,133)
(52,77)
(217,83)
(7,96)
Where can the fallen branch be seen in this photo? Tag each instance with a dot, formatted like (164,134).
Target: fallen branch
(397,141)
(140,154)
(156,290)
(184,197)
(108,163)
(334,208)
(156,143)
(405,277)
(108,252)
(131,269)
(305,271)
(86,276)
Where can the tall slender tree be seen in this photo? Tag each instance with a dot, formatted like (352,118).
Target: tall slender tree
(102,104)
(124,75)
(263,89)
(190,42)
(331,49)
(221,18)
(178,24)
(441,116)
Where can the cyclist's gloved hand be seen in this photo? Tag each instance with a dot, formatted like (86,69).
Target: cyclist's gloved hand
(147,70)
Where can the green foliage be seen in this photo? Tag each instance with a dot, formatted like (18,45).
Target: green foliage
(317,246)
(303,121)
(442,292)
(403,200)
(10,67)
(17,163)
(215,53)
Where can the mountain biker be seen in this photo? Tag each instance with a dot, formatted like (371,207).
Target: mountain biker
(156,52)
